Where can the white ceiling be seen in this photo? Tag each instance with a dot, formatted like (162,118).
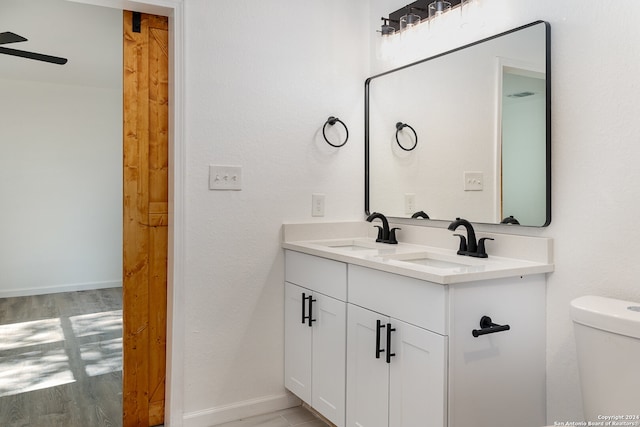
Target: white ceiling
(90,37)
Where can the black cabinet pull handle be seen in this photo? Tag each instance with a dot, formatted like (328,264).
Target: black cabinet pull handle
(304,300)
(379,350)
(488,327)
(389,354)
(310,316)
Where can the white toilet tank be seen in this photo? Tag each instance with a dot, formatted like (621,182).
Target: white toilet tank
(608,346)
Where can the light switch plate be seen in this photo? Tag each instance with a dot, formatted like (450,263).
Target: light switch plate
(223,177)
(473,181)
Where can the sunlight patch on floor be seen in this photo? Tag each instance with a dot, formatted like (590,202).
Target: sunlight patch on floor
(25,334)
(102,357)
(33,354)
(97,323)
(34,370)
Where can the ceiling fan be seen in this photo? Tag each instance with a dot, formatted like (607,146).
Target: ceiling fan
(9,37)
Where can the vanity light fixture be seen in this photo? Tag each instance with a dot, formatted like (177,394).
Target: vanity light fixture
(409,20)
(386,29)
(409,15)
(469,10)
(387,41)
(437,8)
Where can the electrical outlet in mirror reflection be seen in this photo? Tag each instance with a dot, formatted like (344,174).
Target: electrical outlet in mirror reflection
(317,204)
(409,203)
(473,181)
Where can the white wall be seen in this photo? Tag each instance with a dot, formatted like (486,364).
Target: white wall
(596,147)
(61,167)
(262,79)
(60,180)
(524,190)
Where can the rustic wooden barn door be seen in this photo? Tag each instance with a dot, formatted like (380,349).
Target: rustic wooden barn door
(145,134)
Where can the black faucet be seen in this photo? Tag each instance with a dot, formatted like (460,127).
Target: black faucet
(469,246)
(510,220)
(384,234)
(420,214)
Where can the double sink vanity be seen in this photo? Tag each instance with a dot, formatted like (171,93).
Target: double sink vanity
(413,334)
(428,332)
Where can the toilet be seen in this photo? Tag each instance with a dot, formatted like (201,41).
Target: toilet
(607,335)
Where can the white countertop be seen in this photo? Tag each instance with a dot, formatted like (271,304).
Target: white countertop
(351,243)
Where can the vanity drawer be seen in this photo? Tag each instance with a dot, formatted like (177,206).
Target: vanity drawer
(411,300)
(317,274)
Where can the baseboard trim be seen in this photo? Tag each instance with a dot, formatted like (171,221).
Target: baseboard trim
(59,288)
(238,410)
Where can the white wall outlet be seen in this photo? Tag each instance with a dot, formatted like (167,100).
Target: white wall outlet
(223,177)
(317,204)
(473,181)
(409,203)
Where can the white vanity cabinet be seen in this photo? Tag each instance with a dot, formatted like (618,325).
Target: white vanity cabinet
(396,371)
(315,333)
(441,374)
(404,348)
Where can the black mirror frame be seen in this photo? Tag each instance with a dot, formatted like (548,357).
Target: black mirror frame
(548,116)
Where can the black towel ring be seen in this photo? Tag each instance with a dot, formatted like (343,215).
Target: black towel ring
(399,127)
(332,121)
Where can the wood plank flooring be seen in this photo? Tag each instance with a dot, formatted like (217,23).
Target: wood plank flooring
(61,364)
(61,359)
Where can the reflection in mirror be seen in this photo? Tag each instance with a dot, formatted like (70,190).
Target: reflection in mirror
(482,113)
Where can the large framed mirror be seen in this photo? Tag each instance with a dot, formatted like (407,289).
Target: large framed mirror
(479,117)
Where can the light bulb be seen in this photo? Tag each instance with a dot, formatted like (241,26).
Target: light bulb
(409,21)
(438,7)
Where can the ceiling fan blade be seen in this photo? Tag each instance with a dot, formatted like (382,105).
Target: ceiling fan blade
(33,55)
(9,37)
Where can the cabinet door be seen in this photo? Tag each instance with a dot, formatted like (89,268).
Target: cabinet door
(329,358)
(297,344)
(417,386)
(367,376)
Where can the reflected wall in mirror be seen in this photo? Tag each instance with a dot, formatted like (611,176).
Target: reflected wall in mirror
(481,114)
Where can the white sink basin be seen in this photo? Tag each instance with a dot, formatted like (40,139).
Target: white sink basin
(349,245)
(437,263)
(431,260)
(359,246)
